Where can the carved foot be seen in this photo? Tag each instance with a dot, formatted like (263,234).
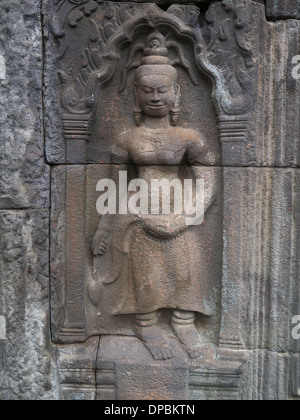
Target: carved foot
(159,352)
(183,324)
(195,352)
(149,333)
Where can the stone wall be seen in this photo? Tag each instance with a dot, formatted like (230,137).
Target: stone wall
(262,267)
(27,364)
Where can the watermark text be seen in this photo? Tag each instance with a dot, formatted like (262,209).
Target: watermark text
(296,69)
(157,197)
(296,329)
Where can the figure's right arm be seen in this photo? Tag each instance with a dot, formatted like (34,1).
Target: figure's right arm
(101,238)
(120,161)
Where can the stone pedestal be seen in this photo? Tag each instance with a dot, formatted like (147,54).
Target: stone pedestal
(126,371)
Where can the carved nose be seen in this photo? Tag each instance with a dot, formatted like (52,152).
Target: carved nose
(155,98)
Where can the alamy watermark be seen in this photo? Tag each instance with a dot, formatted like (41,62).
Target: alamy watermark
(2,68)
(296,329)
(2,328)
(158,197)
(296,69)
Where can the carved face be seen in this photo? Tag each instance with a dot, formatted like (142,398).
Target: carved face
(157,94)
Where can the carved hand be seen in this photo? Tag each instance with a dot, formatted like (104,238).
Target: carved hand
(100,242)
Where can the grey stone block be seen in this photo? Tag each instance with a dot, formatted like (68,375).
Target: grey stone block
(267,376)
(27,368)
(77,370)
(273,138)
(261,257)
(24,176)
(283,9)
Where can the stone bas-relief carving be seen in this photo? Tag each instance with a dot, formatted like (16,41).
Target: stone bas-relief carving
(220,76)
(163,256)
(173,55)
(259,222)
(153,280)
(92,41)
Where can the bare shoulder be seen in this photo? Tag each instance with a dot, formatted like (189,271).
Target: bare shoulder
(120,153)
(192,137)
(124,139)
(198,152)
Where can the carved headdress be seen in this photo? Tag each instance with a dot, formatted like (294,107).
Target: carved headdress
(155,60)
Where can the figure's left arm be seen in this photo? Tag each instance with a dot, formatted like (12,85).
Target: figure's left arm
(203,163)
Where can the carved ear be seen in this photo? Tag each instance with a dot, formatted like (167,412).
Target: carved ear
(174,114)
(137,110)
(135,93)
(138,116)
(177,93)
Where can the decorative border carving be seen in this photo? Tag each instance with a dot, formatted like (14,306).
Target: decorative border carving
(222,50)
(233,136)
(77,370)
(220,383)
(224,41)
(106,381)
(229,45)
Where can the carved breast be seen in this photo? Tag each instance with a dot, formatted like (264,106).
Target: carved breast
(157,147)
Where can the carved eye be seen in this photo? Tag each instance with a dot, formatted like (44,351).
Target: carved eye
(147,90)
(163,90)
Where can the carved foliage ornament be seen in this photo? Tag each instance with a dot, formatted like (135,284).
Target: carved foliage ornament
(222,49)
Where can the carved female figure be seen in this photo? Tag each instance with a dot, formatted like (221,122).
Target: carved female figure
(162,253)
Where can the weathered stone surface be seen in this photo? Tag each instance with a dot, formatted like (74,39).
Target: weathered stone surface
(126,371)
(71,119)
(260,288)
(80,183)
(268,376)
(26,363)
(77,370)
(267,136)
(274,130)
(283,9)
(258,126)
(24,176)
(68,252)
(27,369)
(253,226)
